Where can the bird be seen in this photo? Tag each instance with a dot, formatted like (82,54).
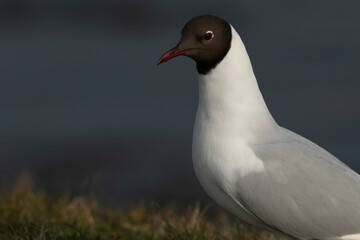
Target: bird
(266,175)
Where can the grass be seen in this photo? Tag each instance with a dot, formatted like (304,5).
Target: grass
(29,213)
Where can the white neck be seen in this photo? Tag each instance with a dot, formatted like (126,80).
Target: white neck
(230,99)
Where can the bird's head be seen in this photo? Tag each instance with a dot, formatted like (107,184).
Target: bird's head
(206,39)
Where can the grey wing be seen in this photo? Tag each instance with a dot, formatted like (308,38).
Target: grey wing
(305,191)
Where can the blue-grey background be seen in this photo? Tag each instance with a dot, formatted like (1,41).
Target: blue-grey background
(84,107)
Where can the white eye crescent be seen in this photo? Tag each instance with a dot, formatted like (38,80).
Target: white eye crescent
(208,35)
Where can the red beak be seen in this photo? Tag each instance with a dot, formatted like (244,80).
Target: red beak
(174,52)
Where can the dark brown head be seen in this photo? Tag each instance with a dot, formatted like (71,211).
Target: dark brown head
(206,39)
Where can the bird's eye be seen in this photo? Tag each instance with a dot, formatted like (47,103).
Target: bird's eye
(208,35)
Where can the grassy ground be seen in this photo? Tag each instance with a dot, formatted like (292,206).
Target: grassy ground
(28,213)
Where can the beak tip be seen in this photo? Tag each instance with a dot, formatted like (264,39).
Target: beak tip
(163,59)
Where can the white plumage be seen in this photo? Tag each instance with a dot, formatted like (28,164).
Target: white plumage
(263,173)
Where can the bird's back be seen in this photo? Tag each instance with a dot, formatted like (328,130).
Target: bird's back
(305,191)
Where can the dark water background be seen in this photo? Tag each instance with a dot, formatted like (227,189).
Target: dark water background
(84,107)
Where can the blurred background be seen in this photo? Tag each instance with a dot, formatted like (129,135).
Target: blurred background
(84,108)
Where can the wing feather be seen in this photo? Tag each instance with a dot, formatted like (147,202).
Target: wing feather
(305,191)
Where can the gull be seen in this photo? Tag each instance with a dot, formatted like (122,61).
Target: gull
(263,173)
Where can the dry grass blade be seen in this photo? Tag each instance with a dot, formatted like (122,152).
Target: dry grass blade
(28,213)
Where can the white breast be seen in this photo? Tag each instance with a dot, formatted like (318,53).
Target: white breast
(219,163)
(225,158)
(350,237)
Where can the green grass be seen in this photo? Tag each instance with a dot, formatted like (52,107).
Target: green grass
(29,213)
